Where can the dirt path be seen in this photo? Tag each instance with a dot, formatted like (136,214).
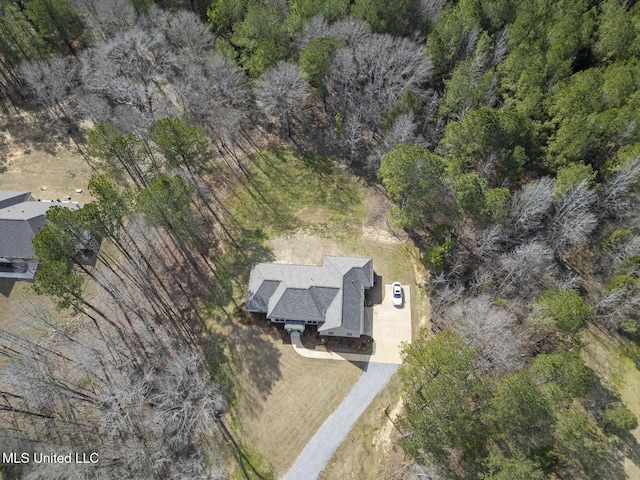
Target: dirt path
(333,431)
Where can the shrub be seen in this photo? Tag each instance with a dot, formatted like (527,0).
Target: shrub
(620,419)
(614,239)
(558,309)
(435,259)
(620,282)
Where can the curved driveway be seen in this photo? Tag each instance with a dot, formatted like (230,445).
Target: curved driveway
(330,435)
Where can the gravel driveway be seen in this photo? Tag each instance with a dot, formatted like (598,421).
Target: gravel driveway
(333,431)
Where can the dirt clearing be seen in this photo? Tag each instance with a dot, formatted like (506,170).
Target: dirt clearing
(61,172)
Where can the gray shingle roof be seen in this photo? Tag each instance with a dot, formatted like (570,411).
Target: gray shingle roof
(331,293)
(9,197)
(264,293)
(19,222)
(296,303)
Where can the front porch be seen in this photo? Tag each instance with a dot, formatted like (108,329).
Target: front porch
(312,340)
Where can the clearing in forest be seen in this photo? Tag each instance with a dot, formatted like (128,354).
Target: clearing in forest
(295,209)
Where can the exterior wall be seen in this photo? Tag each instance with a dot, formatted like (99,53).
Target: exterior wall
(340,332)
(283,320)
(18,269)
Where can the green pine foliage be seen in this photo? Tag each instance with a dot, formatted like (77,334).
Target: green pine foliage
(56,21)
(516,426)
(414,178)
(502,134)
(18,40)
(315,59)
(560,310)
(397,18)
(620,419)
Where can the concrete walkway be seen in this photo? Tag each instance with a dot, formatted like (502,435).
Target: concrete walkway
(301,350)
(333,431)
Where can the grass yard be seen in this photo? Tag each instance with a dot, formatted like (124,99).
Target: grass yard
(616,361)
(295,210)
(284,397)
(37,153)
(284,190)
(61,171)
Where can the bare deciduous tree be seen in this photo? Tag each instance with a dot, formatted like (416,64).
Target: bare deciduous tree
(619,305)
(526,268)
(501,47)
(489,330)
(130,71)
(214,94)
(49,81)
(614,198)
(350,31)
(186,31)
(186,401)
(529,206)
(314,28)
(403,130)
(572,221)
(432,9)
(282,94)
(369,76)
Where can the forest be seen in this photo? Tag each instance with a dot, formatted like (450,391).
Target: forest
(505,134)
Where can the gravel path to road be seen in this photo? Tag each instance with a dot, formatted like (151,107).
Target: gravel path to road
(333,431)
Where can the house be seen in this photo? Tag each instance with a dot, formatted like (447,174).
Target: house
(20,218)
(330,296)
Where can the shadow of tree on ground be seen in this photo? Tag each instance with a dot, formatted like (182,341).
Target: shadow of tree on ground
(241,349)
(622,446)
(235,266)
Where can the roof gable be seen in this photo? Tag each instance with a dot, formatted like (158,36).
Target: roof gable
(331,293)
(296,304)
(259,300)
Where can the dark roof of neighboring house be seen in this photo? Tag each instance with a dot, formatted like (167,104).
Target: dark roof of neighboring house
(331,293)
(19,222)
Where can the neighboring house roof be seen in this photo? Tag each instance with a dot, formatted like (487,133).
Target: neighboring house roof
(9,197)
(19,223)
(331,293)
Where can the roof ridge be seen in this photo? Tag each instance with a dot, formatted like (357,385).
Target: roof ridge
(316,300)
(276,296)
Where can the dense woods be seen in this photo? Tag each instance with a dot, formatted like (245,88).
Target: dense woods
(505,133)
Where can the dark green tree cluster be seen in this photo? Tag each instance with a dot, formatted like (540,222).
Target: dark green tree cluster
(535,167)
(524,425)
(259,34)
